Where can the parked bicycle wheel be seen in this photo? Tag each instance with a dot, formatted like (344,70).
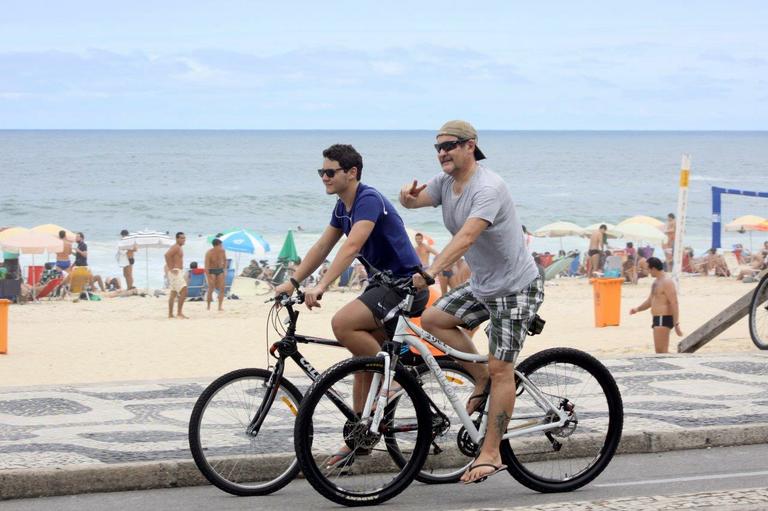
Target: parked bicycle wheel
(445,462)
(569,457)
(340,457)
(232,459)
(758,315)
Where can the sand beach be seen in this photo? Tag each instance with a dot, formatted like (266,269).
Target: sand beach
(131,338)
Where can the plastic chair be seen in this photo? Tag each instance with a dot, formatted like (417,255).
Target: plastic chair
(196,287)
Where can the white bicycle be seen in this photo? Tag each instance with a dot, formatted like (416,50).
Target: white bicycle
(565,428)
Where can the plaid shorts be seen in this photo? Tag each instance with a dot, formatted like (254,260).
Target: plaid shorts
(510,316)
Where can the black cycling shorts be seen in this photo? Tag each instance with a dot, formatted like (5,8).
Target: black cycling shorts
(380,300)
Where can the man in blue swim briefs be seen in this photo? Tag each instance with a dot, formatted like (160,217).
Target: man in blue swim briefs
(62,258)
(663,304)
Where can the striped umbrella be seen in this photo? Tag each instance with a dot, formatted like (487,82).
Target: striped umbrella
(146,240)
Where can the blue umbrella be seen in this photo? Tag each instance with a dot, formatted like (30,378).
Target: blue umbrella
(244,241)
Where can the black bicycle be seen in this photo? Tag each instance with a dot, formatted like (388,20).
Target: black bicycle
(758,314)
(241,428)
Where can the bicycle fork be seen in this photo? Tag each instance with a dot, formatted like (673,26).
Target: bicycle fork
(381,399)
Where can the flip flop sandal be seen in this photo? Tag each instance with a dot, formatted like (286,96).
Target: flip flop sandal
(496,470)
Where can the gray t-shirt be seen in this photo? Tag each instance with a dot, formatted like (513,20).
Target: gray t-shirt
(499,261)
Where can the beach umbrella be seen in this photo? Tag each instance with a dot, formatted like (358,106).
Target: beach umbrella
(610,232)
(145,240)
(244,242)
(10,232)
(643,219)
(31,242)
(289,253)
(412,236)
(747,223)
(54,230)
(641,232)
(558,230)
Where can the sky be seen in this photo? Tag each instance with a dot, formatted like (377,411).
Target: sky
(654,65)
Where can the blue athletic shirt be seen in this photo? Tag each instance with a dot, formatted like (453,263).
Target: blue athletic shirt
(388,246)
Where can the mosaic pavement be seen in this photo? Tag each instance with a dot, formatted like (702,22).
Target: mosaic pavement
(147,421)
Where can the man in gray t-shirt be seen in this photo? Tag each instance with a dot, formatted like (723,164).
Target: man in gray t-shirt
(505,286)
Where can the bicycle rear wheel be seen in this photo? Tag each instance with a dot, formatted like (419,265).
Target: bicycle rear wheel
(758,315)
(228,456)
(446,460)
(367,475)
(569,457)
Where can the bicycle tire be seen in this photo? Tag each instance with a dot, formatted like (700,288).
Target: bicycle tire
(317,414)
(758,315)
(445,462)
(229,458)
(594,436)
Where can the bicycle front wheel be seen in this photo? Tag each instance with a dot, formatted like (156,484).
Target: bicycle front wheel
(230,457)
(339,455)
(571,456)
(758,315)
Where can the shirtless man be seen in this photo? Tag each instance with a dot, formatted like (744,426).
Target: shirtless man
(664,306)
(174,261)
(669,246)
(62,258)
(596,247)
(215,271)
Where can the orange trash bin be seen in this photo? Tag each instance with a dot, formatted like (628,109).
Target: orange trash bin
(4,326)
(607,296)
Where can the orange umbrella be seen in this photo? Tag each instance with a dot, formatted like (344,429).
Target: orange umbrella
(31,242)
(53,230)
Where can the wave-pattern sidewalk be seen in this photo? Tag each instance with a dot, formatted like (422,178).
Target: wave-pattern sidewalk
(670,402)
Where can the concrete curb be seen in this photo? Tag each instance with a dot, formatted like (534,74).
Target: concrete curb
(26,483)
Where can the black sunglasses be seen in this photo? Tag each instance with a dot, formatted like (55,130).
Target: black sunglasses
(449,146)
(330,172)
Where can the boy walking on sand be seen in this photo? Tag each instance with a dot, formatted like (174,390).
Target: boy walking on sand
(664,306)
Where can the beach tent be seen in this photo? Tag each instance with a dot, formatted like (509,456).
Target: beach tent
(643,219)
(289,253)
(747,223)
(54,230)
(145,240)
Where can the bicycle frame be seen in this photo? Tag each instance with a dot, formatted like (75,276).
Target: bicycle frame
(412,335)
(287,348)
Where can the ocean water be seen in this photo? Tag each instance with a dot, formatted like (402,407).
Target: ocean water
(202,182)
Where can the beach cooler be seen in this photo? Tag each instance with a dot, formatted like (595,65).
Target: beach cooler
(607,298)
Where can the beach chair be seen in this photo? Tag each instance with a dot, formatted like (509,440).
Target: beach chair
(197,285)
(49,288)
(228,279)
(10,289)
(573,271)
(731,262)
(80,282)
